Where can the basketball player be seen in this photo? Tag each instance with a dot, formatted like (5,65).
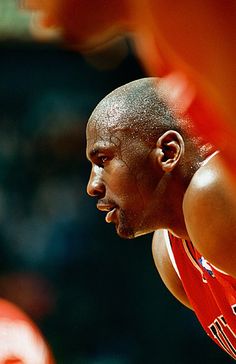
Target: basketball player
(194,38)
(151,173)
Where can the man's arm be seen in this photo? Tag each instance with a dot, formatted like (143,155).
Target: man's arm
(210,215)
(166,269)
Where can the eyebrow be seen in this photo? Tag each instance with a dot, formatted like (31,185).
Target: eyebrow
(99,149)
(94,152)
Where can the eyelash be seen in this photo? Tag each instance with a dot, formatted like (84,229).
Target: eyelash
(101,160)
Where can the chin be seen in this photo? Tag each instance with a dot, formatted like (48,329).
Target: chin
(124,226)
(125,232)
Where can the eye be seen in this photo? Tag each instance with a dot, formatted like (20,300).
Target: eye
(102,160)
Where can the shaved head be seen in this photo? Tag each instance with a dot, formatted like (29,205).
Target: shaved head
(138,108)
(140,151)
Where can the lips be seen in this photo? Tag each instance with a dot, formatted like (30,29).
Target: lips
(111,210)
(110,215)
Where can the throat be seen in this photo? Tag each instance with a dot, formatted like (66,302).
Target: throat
(177,226)
(180,233)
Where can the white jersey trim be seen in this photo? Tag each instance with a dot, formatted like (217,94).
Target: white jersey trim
(219,270)
(168,243)
(172,258)
(170,252)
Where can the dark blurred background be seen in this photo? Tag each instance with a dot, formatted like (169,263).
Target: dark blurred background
(96,298)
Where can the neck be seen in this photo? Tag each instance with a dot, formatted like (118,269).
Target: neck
(178,182)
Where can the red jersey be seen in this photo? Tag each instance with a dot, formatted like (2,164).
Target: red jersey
(211,292)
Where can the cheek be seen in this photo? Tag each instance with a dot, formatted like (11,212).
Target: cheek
(122,184)
(130,196)
(128,183)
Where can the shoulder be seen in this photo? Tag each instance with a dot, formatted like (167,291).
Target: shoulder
(208,175)
(165,267)
(210,214)
(205,185)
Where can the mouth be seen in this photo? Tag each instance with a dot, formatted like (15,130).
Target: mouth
(110,209)
(110,216)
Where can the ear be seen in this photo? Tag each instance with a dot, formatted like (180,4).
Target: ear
(169,149)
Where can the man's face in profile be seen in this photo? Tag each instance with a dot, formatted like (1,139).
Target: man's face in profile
(123,178)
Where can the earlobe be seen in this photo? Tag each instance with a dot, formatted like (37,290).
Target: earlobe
(169,149)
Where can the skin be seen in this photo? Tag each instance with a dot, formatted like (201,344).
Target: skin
(191,37)
(147,187)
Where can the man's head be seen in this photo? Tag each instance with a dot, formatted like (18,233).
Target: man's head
(137,150)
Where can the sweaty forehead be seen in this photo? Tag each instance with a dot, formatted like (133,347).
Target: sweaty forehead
(134,110)
(103,126)
(110,114)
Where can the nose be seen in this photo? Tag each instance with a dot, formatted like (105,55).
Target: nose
(95,187)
